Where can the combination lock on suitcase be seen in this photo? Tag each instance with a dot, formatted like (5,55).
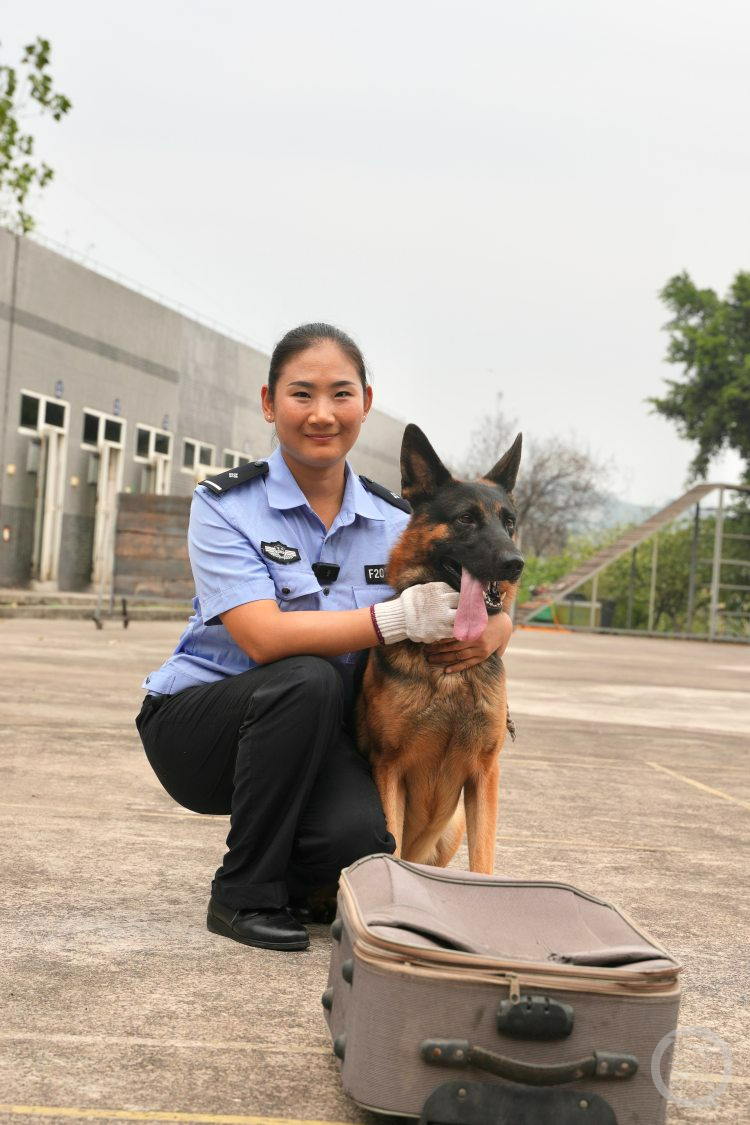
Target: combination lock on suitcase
(468,999)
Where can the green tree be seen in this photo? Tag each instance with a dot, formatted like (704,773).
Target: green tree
(633,574)
(541,571)
(710,337)
(22,90)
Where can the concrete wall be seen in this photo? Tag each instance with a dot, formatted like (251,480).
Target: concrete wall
(72,334)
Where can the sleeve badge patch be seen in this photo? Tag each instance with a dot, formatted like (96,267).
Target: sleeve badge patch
(279,552)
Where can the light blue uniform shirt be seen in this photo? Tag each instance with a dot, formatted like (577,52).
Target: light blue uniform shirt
(258,541)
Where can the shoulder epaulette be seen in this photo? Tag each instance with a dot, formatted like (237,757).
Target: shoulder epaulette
(386,494)
(243,473)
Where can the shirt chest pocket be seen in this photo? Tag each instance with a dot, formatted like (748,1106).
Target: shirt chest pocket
(295,589)
(371,595)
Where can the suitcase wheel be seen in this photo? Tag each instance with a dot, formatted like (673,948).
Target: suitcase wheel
(339,1047)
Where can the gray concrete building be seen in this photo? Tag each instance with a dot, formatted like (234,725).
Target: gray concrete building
(103,391)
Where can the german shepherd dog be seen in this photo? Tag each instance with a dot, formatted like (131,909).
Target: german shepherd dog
(431,736)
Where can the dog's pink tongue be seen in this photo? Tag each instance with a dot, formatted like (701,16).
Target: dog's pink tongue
(471,616)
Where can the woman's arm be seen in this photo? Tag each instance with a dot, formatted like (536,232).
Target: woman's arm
(422,613)
(266,633)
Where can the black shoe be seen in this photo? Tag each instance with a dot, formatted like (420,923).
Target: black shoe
(301,911)
(318,907)
(268,929)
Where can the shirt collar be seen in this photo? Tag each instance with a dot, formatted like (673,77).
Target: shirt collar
(281,487)
(283,491)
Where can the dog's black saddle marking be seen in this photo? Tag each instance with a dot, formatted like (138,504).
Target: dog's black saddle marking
(243,473)
(386,494)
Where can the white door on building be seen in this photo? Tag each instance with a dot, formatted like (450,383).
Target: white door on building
(108,484)
(48,507)
(46,421)
(104,438)
(160,463)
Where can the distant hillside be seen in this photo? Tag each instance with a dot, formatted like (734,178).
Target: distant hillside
(615,512)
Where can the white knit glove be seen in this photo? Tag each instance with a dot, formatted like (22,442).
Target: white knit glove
(422,613)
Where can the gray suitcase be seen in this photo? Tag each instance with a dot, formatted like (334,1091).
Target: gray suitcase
(498,1000)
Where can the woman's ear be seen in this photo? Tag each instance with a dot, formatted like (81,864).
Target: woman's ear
(368,401)
(266,403)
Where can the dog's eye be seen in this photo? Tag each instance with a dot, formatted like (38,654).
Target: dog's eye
(510,526)
(466,518)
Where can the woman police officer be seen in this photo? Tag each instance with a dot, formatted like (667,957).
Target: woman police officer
(247,716)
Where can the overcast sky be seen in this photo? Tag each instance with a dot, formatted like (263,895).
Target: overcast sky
(487,195)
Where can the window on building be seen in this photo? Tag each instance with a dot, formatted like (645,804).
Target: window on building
(196,454)
(90,428)
(149,441)
(54,414)
(142,442)
(98,427)
(232,458)
(39,412)
(29,419)
(113,431)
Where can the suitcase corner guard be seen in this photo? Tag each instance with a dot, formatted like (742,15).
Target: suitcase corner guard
(459,1052)
(477,1103)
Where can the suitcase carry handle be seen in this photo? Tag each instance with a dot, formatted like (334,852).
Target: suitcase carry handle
(482,1103)
(460,1052)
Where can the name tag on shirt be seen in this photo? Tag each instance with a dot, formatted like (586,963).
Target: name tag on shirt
(375,575)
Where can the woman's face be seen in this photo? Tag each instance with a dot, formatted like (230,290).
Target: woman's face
(318,406)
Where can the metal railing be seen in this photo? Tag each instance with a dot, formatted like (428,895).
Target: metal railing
(561,593)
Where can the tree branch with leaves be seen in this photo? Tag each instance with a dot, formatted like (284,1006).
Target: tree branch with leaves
(23,90)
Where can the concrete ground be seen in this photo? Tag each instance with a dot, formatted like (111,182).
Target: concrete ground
(629,778)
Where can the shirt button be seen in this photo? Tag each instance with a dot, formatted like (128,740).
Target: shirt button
(326,591)
(285,590)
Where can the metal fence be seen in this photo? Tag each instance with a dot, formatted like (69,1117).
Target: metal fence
(717,588)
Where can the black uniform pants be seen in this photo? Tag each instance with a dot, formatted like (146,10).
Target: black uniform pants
(269,747)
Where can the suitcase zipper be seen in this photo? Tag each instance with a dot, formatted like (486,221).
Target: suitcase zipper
(532,978)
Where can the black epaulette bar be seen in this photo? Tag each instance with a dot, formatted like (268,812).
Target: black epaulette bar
(241,475)
(386,494)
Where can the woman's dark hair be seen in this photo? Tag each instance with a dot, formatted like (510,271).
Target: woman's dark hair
(307,336)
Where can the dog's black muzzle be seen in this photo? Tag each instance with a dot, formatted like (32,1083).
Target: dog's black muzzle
(510,570)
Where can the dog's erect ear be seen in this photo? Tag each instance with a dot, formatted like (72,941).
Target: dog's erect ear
(506,470)
(422,471)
